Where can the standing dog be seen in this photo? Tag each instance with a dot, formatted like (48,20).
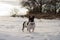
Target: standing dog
(29,25)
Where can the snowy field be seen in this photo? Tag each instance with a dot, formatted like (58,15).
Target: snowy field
(10,29)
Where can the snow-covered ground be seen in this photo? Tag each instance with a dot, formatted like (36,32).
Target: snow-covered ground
(10,29)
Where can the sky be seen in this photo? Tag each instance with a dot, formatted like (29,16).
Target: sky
(6,7)
(12,2)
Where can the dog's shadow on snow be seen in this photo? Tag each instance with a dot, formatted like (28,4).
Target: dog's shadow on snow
(32,35)
(35,34)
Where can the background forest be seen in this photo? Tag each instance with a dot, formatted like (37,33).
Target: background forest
(43,8)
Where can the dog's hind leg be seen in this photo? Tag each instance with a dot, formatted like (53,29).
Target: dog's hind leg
(23,27)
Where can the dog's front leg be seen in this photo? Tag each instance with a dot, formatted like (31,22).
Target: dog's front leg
(33,30)
(28,29)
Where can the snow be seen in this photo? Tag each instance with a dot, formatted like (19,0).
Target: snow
(10,29)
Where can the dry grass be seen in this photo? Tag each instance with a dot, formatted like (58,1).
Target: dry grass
(45,15)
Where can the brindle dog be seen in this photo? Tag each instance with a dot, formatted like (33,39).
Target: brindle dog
(29,25)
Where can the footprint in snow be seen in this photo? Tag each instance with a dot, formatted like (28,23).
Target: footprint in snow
(28,36)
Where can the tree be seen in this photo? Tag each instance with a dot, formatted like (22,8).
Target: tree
(33,5)
(49,6)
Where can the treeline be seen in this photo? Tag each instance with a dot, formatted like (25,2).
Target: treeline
(43,7)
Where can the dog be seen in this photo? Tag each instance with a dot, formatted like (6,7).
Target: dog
(29,25)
